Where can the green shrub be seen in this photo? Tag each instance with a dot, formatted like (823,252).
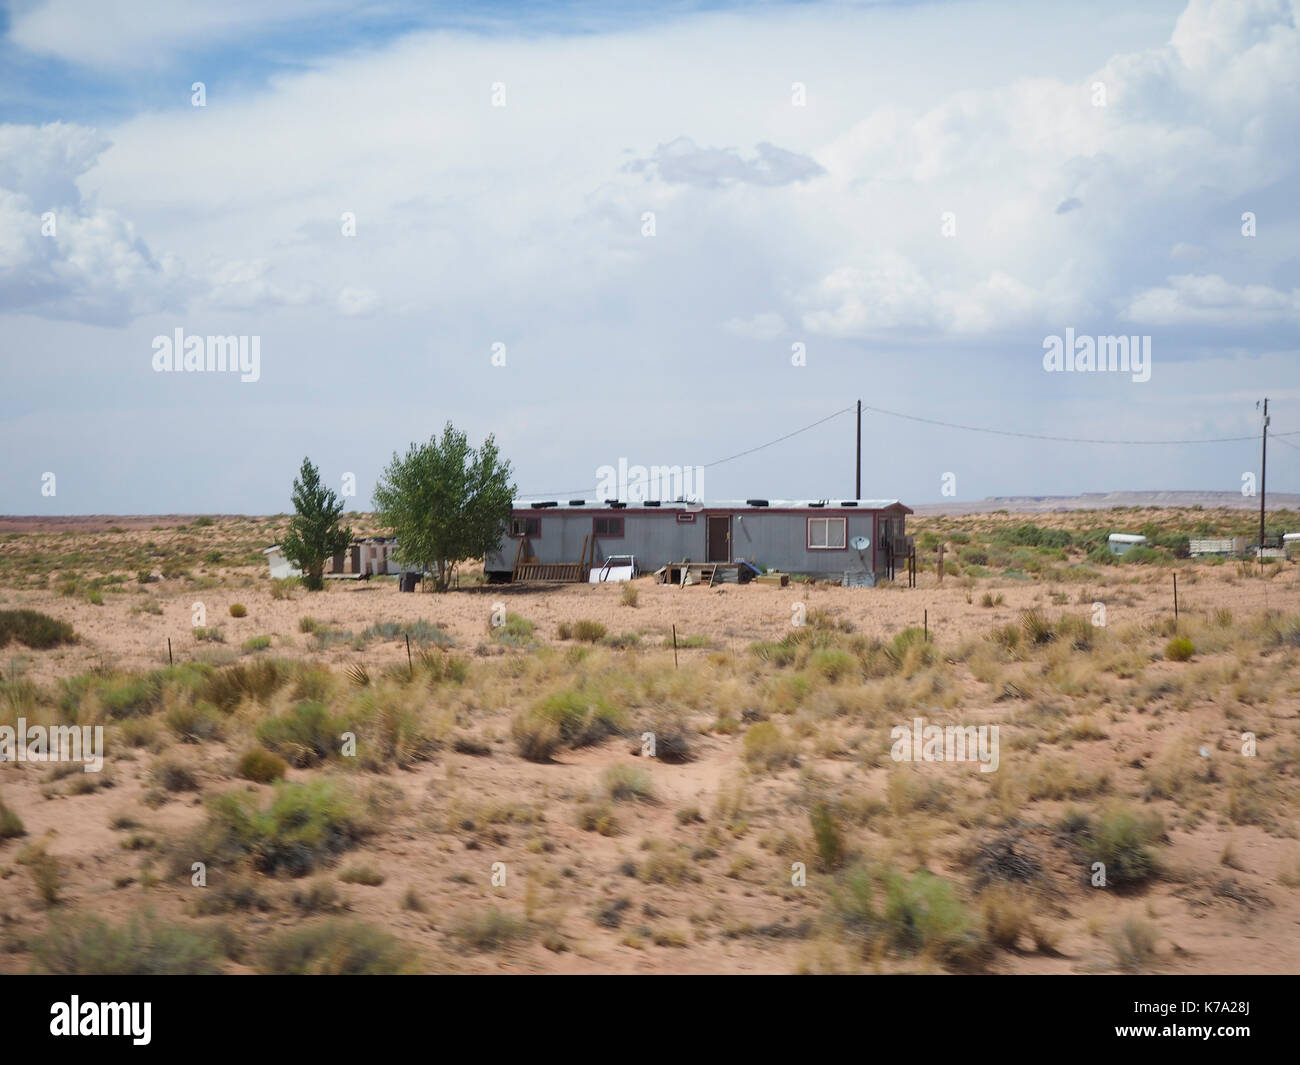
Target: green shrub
(336,948)
(304,827)
(910,648)
(238,610)
(623,640)
(196,722)
(597,817)
(170,775)
(11,825)
(826,833)
(45,870)
(130,696)
(1179,649)
(630,594)
(924,914)
(516,631)
(319,896)
(233,895)
(365,875)
(1078,629)
(261,766)
(34,629)
(1120,839)
(1038,629)
(1134,943)
(490,930)
(569,718)
(144,945)
(282,587)
(256,643)
(766,747)
(832,663)
(304,735)
(589,631)
(852,905)
(627,782)
(1143,555)
(420,632)
(258,680)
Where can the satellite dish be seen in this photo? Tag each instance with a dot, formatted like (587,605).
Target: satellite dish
(860,543)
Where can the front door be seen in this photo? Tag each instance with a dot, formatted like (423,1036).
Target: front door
(719,538)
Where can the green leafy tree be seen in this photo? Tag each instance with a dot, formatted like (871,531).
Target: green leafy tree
(445,501)
(314,532)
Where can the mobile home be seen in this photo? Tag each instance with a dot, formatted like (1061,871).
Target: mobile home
(1123,543)
(856,541)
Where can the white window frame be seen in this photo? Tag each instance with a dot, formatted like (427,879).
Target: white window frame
(826,524)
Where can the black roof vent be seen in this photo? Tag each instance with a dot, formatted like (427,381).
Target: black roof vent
(576,502)
(849,503)
(615,504)
(652,502)
(821,504)
(543,506)
(756,502)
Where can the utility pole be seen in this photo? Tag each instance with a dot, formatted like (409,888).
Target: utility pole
(857,485)
(1263,470)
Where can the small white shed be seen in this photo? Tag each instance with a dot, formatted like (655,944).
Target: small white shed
(1123,543)
(280,566)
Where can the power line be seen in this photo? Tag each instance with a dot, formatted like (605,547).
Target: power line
(964,428)
(1064,439)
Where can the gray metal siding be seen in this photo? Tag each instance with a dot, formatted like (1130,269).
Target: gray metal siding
(773,540)
(779,541)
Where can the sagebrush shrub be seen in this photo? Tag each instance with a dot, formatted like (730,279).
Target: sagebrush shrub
(261,766)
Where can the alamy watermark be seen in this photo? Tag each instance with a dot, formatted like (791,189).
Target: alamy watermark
(57,743)
(77,1018)
(1086,354)
(195,354)
(636,484)
(920,742)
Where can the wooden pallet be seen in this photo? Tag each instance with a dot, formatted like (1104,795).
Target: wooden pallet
(548,571)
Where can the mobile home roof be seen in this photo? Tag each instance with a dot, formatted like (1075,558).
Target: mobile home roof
(717,504)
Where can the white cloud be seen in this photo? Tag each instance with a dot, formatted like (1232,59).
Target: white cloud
(113,34)
(61,255)
(252,284)
(681,162)
(1208,299)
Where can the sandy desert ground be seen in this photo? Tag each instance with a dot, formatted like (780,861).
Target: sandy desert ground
(615,862)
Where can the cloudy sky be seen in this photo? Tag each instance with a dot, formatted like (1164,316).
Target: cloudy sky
(684,230)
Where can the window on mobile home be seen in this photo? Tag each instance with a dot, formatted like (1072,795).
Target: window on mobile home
(525,526)
(607,527)
(826,534)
